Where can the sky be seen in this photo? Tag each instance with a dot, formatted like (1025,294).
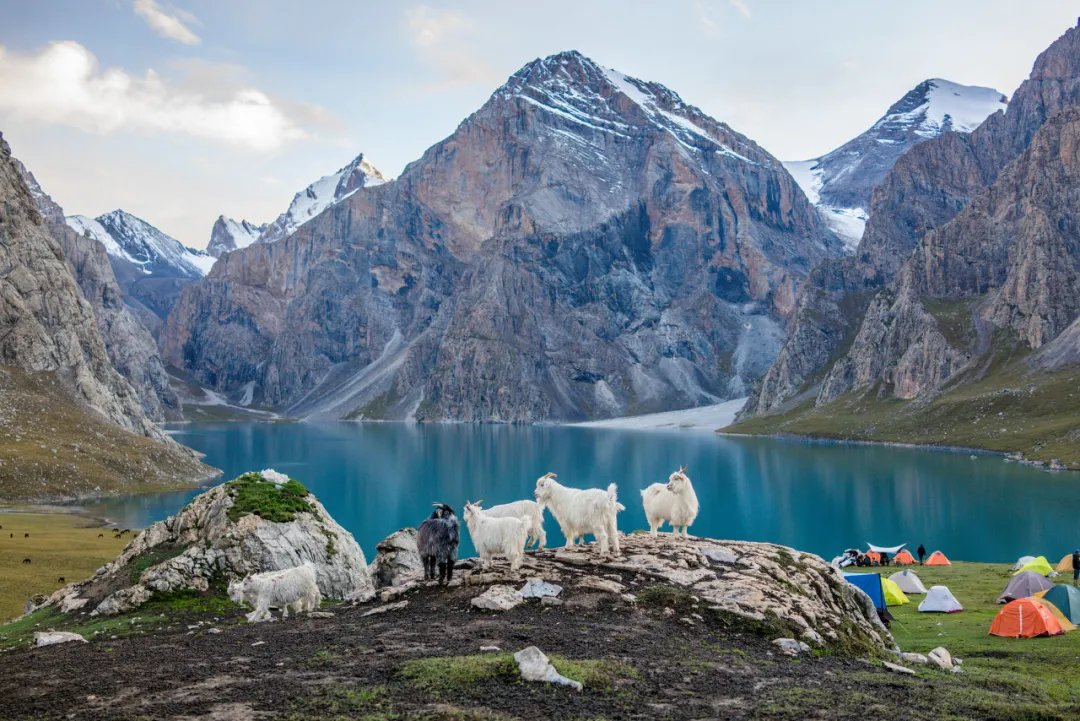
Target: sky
(181,111)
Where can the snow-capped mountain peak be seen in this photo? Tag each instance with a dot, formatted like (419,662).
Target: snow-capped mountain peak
(321,194)
(131,238)
(936,105)
(228,234)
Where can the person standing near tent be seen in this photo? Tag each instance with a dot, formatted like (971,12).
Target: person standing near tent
(922,552)
(1076,566)
(884,558)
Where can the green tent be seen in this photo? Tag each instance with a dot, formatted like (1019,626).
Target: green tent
(1040,566)
(1067,599)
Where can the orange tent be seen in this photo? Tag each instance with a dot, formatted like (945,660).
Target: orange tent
(1025,618)
(937,558)
(874,556)
(904,558)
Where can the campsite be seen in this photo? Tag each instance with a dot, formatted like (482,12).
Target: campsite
(1035,670)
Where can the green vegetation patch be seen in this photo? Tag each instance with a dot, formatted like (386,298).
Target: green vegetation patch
(252,494)
(159,554)
(343,702)
(449,675)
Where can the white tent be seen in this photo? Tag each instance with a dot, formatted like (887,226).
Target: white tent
(891,550)
(908,582)
(939,599)
(1022,561)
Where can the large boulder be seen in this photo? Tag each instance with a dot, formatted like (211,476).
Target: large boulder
(257,522)
(396,559)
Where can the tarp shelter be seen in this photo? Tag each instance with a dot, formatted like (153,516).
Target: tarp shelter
(893,595)
(1023,585)
(939,599)
(1065,564)
(1066,624)
(908,582)
(1039,565)
(1067,599)
(937,558)
(1022,561)
(891,550)
(1024,618)
(869,583)
(904,558)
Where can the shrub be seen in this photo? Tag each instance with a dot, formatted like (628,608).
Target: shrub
(252,494)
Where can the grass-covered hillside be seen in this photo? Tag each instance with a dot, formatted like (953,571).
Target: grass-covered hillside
(53,448)
(999,405)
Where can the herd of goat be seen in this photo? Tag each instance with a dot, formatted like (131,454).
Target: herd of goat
(509,529)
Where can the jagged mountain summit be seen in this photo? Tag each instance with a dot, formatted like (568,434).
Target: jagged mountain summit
(228,234)
(132,239)
(840,182)
(584,245)
(320,195)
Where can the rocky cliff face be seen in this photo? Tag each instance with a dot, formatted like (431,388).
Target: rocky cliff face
(131,348)
(925,190)
(228,234)
(584,245)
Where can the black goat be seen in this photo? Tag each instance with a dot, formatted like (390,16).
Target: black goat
(60,580)
(437,542)
(25,561)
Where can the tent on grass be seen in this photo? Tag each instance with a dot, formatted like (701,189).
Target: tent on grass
(874,556)
(893,595)
(937,558)
(1022,561)
(870,584)
(1025,618)
(1066,624)
(1065,564)
(908,582)
(939,599)
(1067,600)
(1039,565)
(1024,585)
(904,558)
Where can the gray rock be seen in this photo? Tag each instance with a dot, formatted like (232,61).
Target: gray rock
(397,606)
(539,588)
(941,658)
(594,583)
(535,666)
(791,647)
(498,598)
(918,658)
(50,638)
(898,669)
(396,559)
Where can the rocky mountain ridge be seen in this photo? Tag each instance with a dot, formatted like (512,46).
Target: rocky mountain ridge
(584,245)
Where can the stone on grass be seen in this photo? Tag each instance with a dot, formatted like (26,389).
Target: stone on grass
(895,668)
(791,647)
(498,598)
(51,638)
(535,666)
(941,658)
(918,658)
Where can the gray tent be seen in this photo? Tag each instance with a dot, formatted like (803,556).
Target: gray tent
(1024,585)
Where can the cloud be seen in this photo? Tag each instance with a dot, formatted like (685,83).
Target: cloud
(62,84)
(167,23)
(741,6)
(441,38)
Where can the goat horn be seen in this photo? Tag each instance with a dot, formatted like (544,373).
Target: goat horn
(436,504)
(479,502)
(549,474)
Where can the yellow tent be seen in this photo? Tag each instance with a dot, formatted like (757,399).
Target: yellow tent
(1040,566)
(1065,564)
(1066,624)
(893,595)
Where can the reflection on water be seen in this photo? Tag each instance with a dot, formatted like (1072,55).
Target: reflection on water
(375,478)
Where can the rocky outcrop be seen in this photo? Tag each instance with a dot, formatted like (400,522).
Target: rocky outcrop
(130,346)
(585,245)
(924,191)
(220,537)
(228,234)
(396,560)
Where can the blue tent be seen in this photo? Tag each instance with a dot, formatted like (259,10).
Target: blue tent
(870,583)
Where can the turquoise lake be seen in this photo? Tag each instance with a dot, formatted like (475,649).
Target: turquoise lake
(821,497)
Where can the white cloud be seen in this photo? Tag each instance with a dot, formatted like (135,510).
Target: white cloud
(63,84)
(168,23)
(741,6)
(441,38)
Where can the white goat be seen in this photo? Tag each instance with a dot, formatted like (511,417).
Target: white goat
(292,588)
(531,511)
(579,512)
(674,502)
(496,536)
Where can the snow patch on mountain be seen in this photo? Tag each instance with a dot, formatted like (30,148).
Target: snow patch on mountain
(951,106)
(132,239)
(228,234)
(320,195)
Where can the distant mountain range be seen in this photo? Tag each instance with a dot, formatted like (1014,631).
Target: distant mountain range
(840,182)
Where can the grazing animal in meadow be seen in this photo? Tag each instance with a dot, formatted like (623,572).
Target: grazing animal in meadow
(497,536)
(101,535)
(294,589)
(531,511)
(579,512)
(437,541)
(26,535)
(26,561)
(61,580)
(673,502)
